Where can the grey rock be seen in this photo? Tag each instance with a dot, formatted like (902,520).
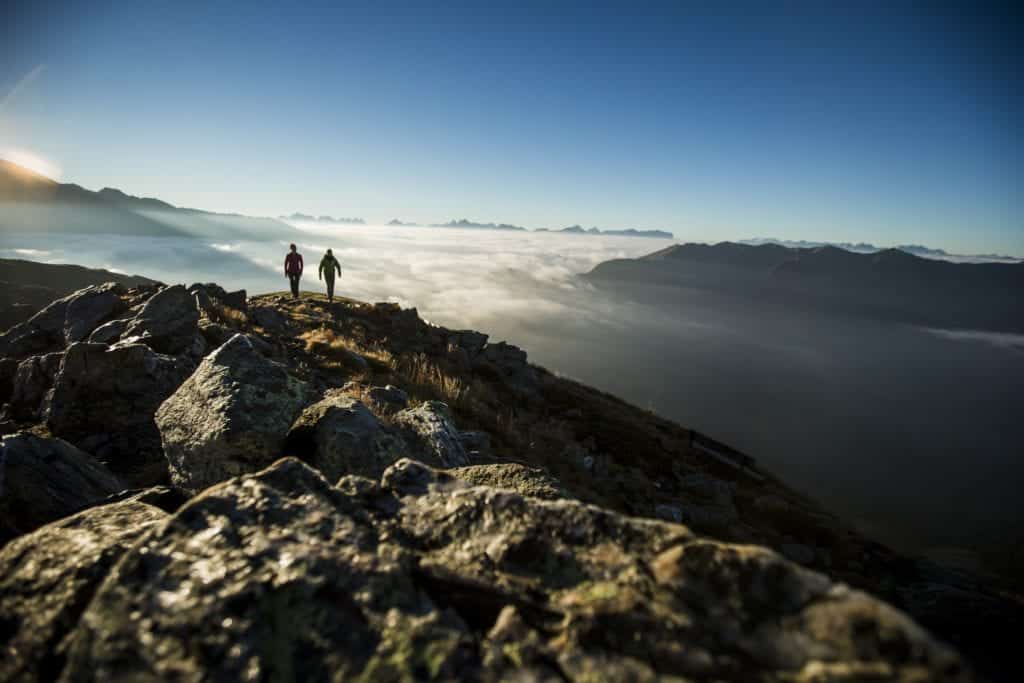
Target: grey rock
(214,333)
(104,399)
(388,398)
(430,432)
(268,318)
(167,322)
(42,480)
(64,321)
(339,435)
(524,480)
(203,301)
(109,332)
(236,299)
(280,576)
(48,577)
(230,417)
(90,306)
(33,379)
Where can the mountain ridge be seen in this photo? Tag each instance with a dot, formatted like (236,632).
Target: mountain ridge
(890,284)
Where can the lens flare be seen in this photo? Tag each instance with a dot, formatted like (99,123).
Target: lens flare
(32,162)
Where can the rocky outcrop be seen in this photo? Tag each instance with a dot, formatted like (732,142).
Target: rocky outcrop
(432,435)
(64,321)
(339,435)
(279,575)
(32,380)
(48,578)
(214,292)
(104,399)
(230,417)
(42,480)
(167,323)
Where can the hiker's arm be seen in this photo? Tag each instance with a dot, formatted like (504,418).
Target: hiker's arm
(300,264)
(338,267)
(320,272)
(286,266)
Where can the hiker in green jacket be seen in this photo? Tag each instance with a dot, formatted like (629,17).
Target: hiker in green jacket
(329,264)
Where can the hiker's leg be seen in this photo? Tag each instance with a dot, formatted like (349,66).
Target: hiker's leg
(294,280)
(330,289)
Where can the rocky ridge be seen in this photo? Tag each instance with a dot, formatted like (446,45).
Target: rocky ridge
(443,510)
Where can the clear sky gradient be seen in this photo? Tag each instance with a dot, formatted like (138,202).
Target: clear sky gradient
(789,119)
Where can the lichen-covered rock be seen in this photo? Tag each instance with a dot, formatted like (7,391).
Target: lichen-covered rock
(45,479)
(528,481)
(64,321)
(230,417)
(167,323)
(274,576)
(339,435)
(281,576)
(104,399)
(32,380)
(430,432)
(48,577)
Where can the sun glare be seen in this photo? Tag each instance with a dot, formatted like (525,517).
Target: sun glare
(32,162)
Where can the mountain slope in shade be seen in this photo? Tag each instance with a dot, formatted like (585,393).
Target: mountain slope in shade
(32,203)
(890,284)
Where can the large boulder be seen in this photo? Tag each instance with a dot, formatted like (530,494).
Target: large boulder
(429,430)
(230,417)
(64,321)
(104,399)
(167,323)
(280,576)
(89,307)
(339,435)
(47,579)
(42,480)
(33,379)
(525,480)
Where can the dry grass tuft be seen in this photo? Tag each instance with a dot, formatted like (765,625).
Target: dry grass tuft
(420,371)
(326,340)
(227,315)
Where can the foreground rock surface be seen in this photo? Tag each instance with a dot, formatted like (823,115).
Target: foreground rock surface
(230,417)
(42,480)
(47,578)
(281,576)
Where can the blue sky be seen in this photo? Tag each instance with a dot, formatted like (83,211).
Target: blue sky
(789,119)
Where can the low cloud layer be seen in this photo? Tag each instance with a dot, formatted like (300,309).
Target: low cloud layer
(880,422)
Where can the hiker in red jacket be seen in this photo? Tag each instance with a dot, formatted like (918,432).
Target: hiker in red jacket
(293,269)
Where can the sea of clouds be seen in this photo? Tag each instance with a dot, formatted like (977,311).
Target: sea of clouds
(856,413)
